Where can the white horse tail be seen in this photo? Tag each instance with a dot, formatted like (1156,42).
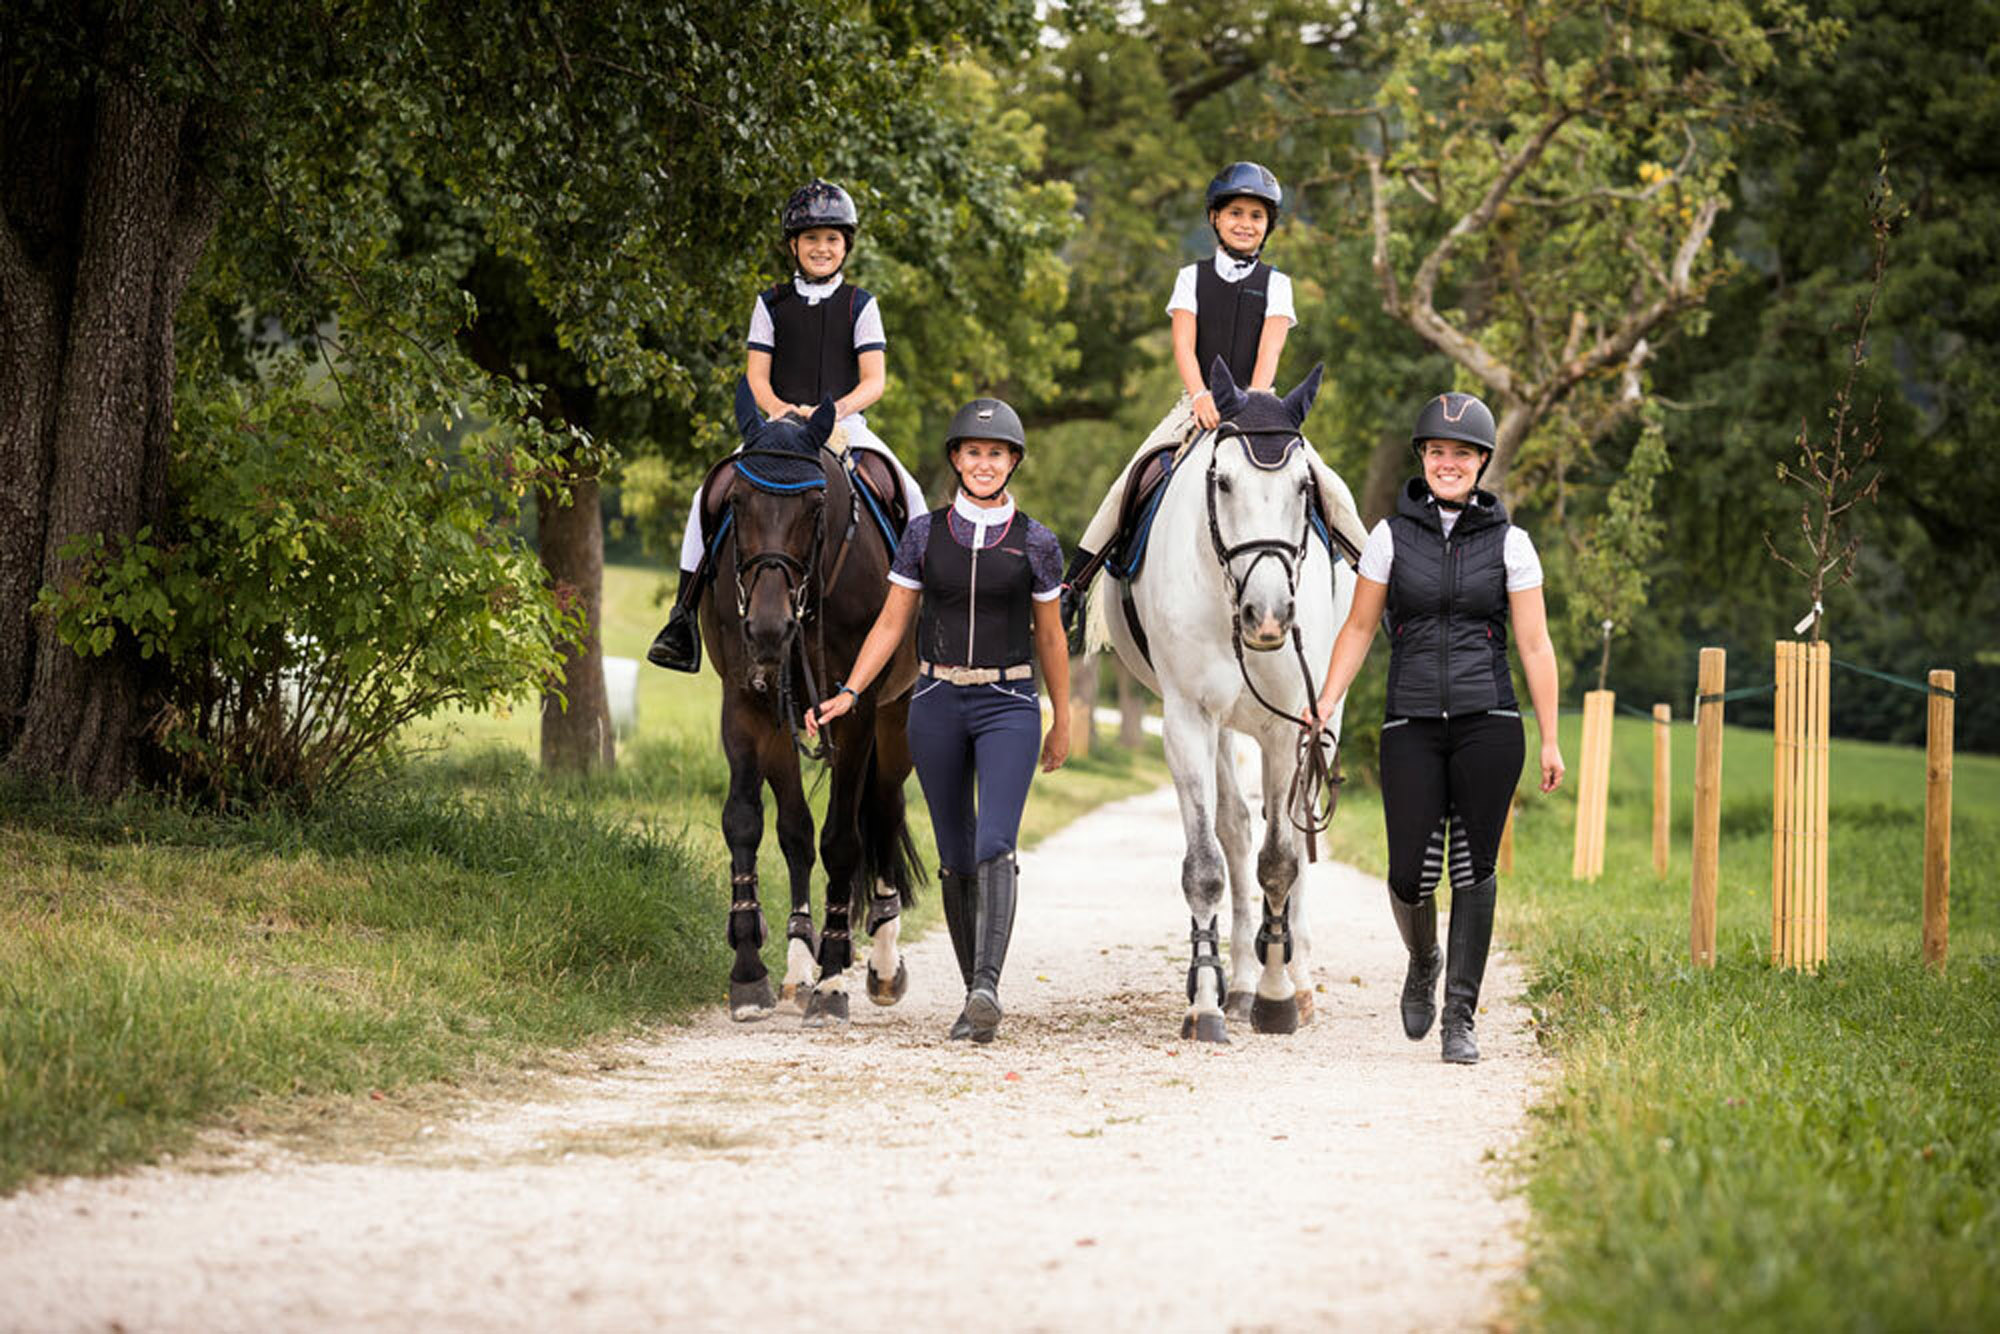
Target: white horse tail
(1097,617)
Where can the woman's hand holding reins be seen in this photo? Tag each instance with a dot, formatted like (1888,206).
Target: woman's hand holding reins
(828,709)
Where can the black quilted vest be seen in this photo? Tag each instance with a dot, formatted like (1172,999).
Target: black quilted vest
(1447,608)
(1229,319)
(812,354)
(976,604)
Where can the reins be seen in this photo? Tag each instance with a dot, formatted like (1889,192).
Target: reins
(1316,779)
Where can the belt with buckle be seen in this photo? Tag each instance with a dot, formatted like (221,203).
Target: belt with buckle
(978,676)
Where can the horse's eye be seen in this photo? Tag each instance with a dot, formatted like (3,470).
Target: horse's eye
(1222,484)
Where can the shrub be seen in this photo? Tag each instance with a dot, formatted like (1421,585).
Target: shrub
(324,576)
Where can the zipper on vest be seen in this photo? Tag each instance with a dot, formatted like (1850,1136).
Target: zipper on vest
(1444,632)
(972,596)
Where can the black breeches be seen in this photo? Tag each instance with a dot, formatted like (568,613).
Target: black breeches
(1447,776)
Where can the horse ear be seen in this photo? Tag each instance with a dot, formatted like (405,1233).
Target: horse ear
(748,420)
(819,426)
(1300,401)
(1222,385)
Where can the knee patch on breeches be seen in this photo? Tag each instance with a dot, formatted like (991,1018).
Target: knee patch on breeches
(1448,847)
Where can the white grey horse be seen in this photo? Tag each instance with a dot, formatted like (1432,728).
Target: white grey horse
(1238,599)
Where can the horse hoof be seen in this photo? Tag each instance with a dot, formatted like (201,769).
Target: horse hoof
(796,994)
(826,1009)
(1206,1028)
(1237,1007)
(1269,1016)
(888,993)
(1305,999)
(750,1001)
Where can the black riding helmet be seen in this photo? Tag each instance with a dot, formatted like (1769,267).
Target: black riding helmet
(820,204)
(1456,416)
(1244,180)
(986,419)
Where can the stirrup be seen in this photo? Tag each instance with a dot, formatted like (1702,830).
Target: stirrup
(678,645)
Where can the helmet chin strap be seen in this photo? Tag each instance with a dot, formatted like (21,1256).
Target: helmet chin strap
(994,494)
(1240,256)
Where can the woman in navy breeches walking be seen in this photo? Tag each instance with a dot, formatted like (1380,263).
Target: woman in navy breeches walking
(982,580)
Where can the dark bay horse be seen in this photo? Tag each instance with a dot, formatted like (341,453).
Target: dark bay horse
(801,570)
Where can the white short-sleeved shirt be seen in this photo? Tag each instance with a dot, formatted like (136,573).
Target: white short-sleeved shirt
(1277,296)
(867,321)
(1524,567)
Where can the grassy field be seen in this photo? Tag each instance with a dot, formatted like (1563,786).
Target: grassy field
(162,969)
(1742,1148)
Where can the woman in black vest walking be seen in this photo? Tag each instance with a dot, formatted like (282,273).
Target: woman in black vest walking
(982,580)
(1454,575)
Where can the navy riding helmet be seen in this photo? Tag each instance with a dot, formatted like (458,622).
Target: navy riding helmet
(820,204)
(1244,180)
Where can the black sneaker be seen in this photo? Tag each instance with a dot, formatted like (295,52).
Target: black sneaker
(678,645)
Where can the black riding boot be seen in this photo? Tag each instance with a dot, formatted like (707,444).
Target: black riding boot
(678,645)
(994,927)
(1419,924)
(956,890)
(1470,932)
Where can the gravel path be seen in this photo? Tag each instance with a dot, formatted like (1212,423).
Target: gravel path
(1089,1170)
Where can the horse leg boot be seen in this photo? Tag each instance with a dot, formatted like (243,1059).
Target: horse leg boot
(678,645)
(956,891)
(1470,933)
(993,928)
(1418,923)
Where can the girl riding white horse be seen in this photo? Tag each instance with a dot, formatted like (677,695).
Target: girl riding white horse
(1236,572)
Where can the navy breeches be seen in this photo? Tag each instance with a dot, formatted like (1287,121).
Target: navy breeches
(975,748)
(1447,775)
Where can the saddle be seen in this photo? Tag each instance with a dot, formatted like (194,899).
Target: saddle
(876,483)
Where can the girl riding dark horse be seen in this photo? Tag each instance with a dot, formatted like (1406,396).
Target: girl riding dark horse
(801,571)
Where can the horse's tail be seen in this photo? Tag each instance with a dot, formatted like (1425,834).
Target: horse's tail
(888,853)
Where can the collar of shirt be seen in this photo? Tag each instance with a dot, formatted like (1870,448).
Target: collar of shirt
(981,519)
(814,293)
(1232,270)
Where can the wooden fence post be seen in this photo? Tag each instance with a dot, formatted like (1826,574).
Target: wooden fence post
(1663,784)
(1593,787)
(1784,798)
(1707,805)
(1799,754)
(1937,821)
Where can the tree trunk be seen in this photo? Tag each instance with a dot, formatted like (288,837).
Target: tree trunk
(577,738)
(1515,417)
(1082,702)
(1131,709)
(1389,465)
(92,336)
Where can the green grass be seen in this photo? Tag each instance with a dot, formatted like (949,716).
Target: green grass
(1746,1148)
(163,969)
